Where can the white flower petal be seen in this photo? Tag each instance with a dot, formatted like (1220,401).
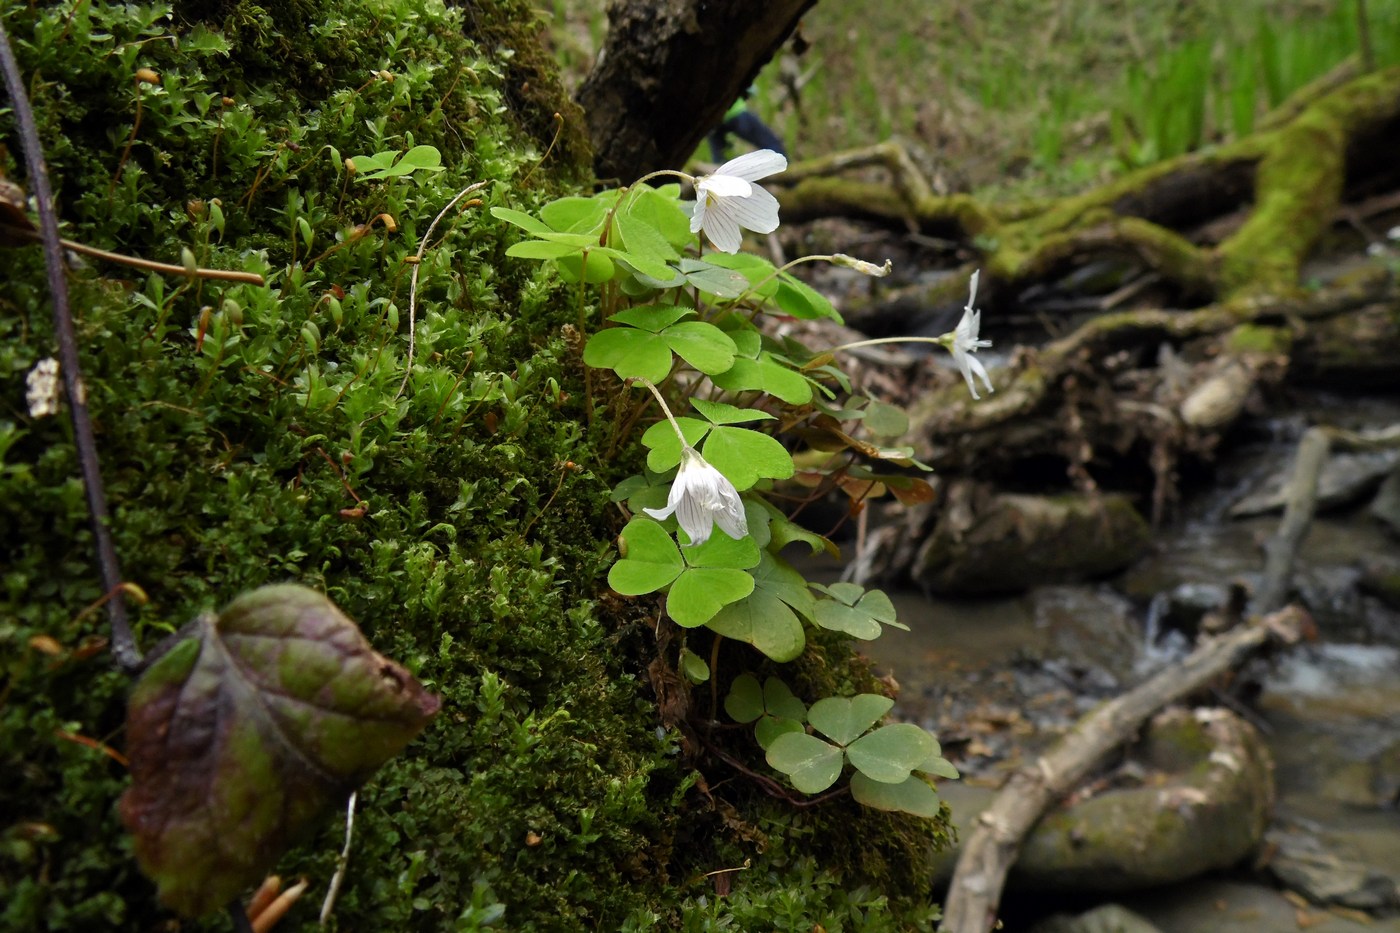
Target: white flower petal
(722,228)
(966,342)
(702,497)
(726,203)
(752,166)
(732,520)
(757,212)
(697,216)
(661,514)
(970,364)
(695,520)
(722,186)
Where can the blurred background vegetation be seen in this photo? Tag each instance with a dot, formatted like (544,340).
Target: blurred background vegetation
(1038,97)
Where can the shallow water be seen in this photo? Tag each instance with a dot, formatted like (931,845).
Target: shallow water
(995,678)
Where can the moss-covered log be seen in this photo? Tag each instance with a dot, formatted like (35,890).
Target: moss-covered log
(1237,219)
(1217,316)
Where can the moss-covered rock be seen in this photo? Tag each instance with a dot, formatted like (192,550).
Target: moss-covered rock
(252,435)
(1007,543)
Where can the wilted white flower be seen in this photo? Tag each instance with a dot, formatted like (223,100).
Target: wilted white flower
(861,266)
(41,388)
(701,498)
(727,199)
(965,342)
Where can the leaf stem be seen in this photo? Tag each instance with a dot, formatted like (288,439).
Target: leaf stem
(124,648)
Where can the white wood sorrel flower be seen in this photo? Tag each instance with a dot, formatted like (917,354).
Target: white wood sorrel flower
(728,199)
(701,498)
(965,342)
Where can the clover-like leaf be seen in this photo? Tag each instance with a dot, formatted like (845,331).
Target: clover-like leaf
(765,374)
(576,214)
(724,413)
(764,621)
(651,559)
(885,420)
(723,551)
(240,735)
(630,352)
(912,795)
(694,667)
(664,448)
(654,318)
(890,752)
(527,222)
(801,300)
(642,240)
(658,208)
(844,719)
(591,266)
(759,272)
(723,283)
(702,345)
(783,531)
(856,611)
(744,702)
(765,618)
(540,249)
(811,764)
(745,456)
(700,592)
(747,701)
(936,764)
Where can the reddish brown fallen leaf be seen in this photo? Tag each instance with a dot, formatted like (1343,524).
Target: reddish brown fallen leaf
(242,733)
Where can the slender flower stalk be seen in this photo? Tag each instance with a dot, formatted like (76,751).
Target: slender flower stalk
(701,496)
(836,259)
(962,342)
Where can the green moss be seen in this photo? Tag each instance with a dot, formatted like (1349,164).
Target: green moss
(1256,338)
(254,435)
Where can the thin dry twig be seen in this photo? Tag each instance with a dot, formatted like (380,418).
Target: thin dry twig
(413,285)
(124,648)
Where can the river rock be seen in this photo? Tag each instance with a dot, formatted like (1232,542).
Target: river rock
(1380,577)
(1207,810)
(1325,873)
(1386,505)
(1345,479)
(987,543)
(1200,788)
(1109,918)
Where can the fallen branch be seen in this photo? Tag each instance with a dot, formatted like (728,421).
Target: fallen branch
(994,843)
(1281,551)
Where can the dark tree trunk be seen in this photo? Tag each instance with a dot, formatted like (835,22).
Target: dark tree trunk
(668,71)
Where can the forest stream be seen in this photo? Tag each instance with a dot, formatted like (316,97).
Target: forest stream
(997,678)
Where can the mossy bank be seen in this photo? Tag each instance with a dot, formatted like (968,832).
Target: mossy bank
(253,435)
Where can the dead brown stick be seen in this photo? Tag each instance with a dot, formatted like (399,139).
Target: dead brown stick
(1281,551)
(995,841)
(150,265)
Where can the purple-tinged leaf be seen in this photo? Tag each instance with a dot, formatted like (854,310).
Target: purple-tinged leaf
(241,734)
